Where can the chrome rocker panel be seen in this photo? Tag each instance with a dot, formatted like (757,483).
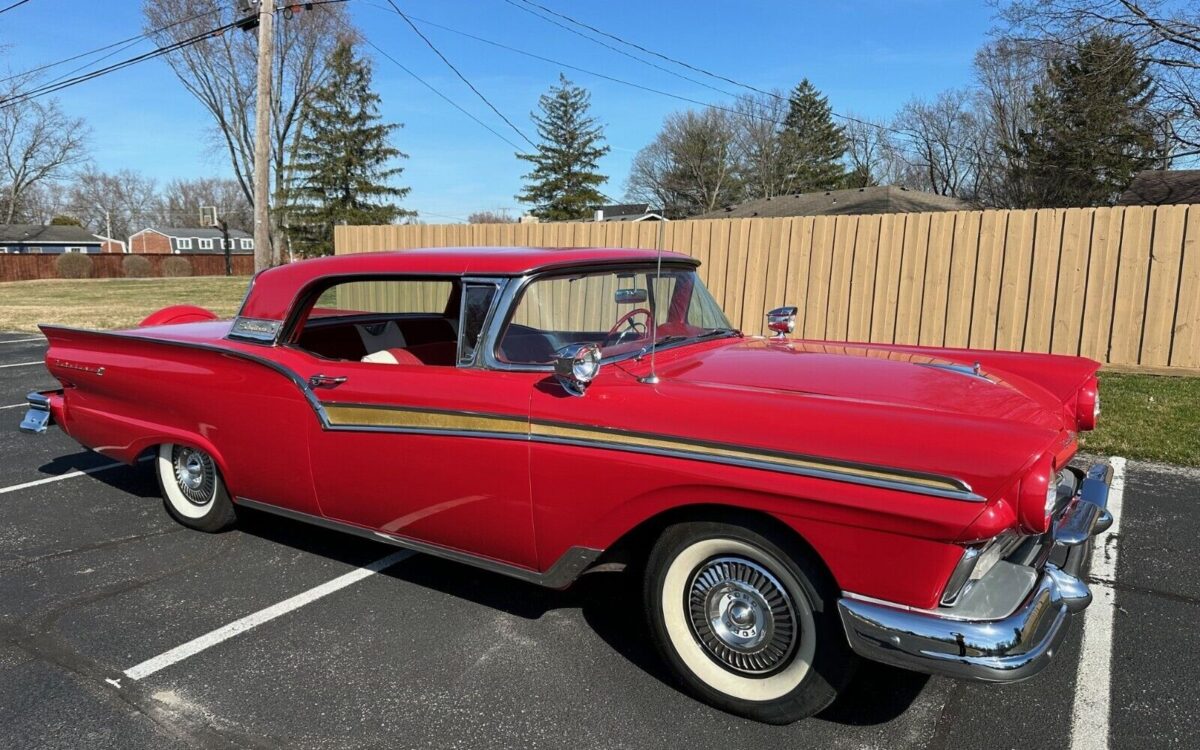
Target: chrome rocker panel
(997,642)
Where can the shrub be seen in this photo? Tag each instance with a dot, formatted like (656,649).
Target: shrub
(176,267)
(136,267)
(73,266)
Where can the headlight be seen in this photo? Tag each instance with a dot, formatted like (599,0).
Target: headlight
(1087,405)
(1037,496)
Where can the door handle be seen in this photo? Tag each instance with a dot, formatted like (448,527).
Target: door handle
(326,381)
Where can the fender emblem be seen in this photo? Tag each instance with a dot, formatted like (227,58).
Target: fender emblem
(97,371)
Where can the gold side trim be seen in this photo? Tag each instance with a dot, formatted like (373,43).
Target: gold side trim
(369,416)
(381,417)
(539,429)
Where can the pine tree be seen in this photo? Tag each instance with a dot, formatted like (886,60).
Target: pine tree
(1093,129)
(812,145)
(342,169)
(564,182)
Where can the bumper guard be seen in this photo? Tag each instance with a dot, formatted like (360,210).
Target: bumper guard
(1012,628)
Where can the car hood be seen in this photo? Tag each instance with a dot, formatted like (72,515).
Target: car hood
(864,374)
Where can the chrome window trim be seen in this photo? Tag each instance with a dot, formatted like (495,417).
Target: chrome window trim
(476,359)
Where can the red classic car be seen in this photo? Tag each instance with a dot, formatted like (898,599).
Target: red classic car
(793,506)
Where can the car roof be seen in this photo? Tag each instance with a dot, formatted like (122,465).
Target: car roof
(273,291)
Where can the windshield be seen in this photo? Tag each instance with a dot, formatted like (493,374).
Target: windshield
(620,311)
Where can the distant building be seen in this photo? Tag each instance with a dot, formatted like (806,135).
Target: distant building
(175,240)
(1162,188)
(109,245)
(41,238)
(881,199)
(627,212)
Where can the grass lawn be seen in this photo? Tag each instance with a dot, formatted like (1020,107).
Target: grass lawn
(1152,417)
(112,303)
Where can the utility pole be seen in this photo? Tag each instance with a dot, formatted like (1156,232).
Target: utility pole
(263,255)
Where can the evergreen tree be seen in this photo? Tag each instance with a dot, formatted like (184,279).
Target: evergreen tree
(342,167)
(812,145)
(1092,128)
(564,182)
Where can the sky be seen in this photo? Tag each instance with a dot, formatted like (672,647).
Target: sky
(868,57)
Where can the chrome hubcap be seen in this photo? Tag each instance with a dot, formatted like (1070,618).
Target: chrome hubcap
(195,474)
(742,615)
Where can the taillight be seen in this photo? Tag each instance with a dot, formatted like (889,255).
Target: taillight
(1037,496)
(1087,405)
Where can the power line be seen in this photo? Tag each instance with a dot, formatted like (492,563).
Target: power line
(14,5)
(109,46)
(458,73)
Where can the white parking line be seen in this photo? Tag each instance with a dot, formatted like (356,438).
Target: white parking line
(60,477)
(22,341)
(23,364)
(224,633)
(1093,682)
(13,406)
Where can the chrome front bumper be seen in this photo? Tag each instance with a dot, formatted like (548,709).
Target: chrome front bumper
(1008,626)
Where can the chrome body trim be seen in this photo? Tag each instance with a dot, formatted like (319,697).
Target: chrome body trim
(558,576)
(37,417)
(1005,626)
(254,330)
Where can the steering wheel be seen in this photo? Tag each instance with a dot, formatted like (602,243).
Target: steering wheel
(616,335)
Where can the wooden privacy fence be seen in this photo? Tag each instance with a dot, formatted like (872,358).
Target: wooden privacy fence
(1120,285)
(26,267)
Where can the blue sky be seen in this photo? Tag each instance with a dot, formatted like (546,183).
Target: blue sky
(868,57)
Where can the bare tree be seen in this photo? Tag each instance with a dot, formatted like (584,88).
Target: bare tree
(1165,34)
(871,153)
(119,202)
(941,144)
(39,143)
(490,217)
(691,167)
(181,201)
(1006,72)
(220,72)
(763,166)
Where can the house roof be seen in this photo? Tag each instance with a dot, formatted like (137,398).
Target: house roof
(881,199)
(1159,188)
(203,233)
(624,209)
(47,234)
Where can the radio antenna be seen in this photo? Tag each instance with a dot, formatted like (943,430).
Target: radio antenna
(652,378)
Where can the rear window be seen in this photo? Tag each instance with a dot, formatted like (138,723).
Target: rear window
(384,297)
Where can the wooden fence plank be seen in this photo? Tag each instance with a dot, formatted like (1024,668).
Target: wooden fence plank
(1014,284)
(912,279)
(887,278)
(1165,255)
(1185,344)
(840,271)
(989,267)
(1101,283)
(961,290)
(1073,257)
(1047,243)
(1132,270)
(937,280)
(817,296)
(799,254)
(862,279)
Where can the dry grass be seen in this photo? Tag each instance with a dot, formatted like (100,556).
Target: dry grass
(111,303)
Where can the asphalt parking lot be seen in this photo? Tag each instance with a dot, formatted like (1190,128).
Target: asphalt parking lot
(97,583)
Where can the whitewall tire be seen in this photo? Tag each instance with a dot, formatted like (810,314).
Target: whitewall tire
(746,620)
(192,490)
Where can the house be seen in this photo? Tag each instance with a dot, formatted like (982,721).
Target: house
(177,240)
(43,238)
(880,199)
(627,212)
(1158,187)
(110,245)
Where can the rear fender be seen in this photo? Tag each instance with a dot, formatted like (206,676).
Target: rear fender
(176,314)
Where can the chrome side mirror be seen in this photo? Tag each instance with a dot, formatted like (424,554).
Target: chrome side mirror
(782,320)
(576,366)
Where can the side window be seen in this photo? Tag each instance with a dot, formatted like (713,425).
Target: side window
(477,301)
(385,322)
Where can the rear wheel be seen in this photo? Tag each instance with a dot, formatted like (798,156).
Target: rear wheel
(192,490)
(746,620)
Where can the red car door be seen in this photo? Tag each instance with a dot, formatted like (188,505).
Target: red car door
(435,454)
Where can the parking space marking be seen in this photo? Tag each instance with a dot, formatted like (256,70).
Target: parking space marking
(1093,688)
(60,477)
(23,364)
(12,406)
(224,633)
(22,341)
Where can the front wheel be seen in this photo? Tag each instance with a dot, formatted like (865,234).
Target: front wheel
(192,490)
(746,620)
